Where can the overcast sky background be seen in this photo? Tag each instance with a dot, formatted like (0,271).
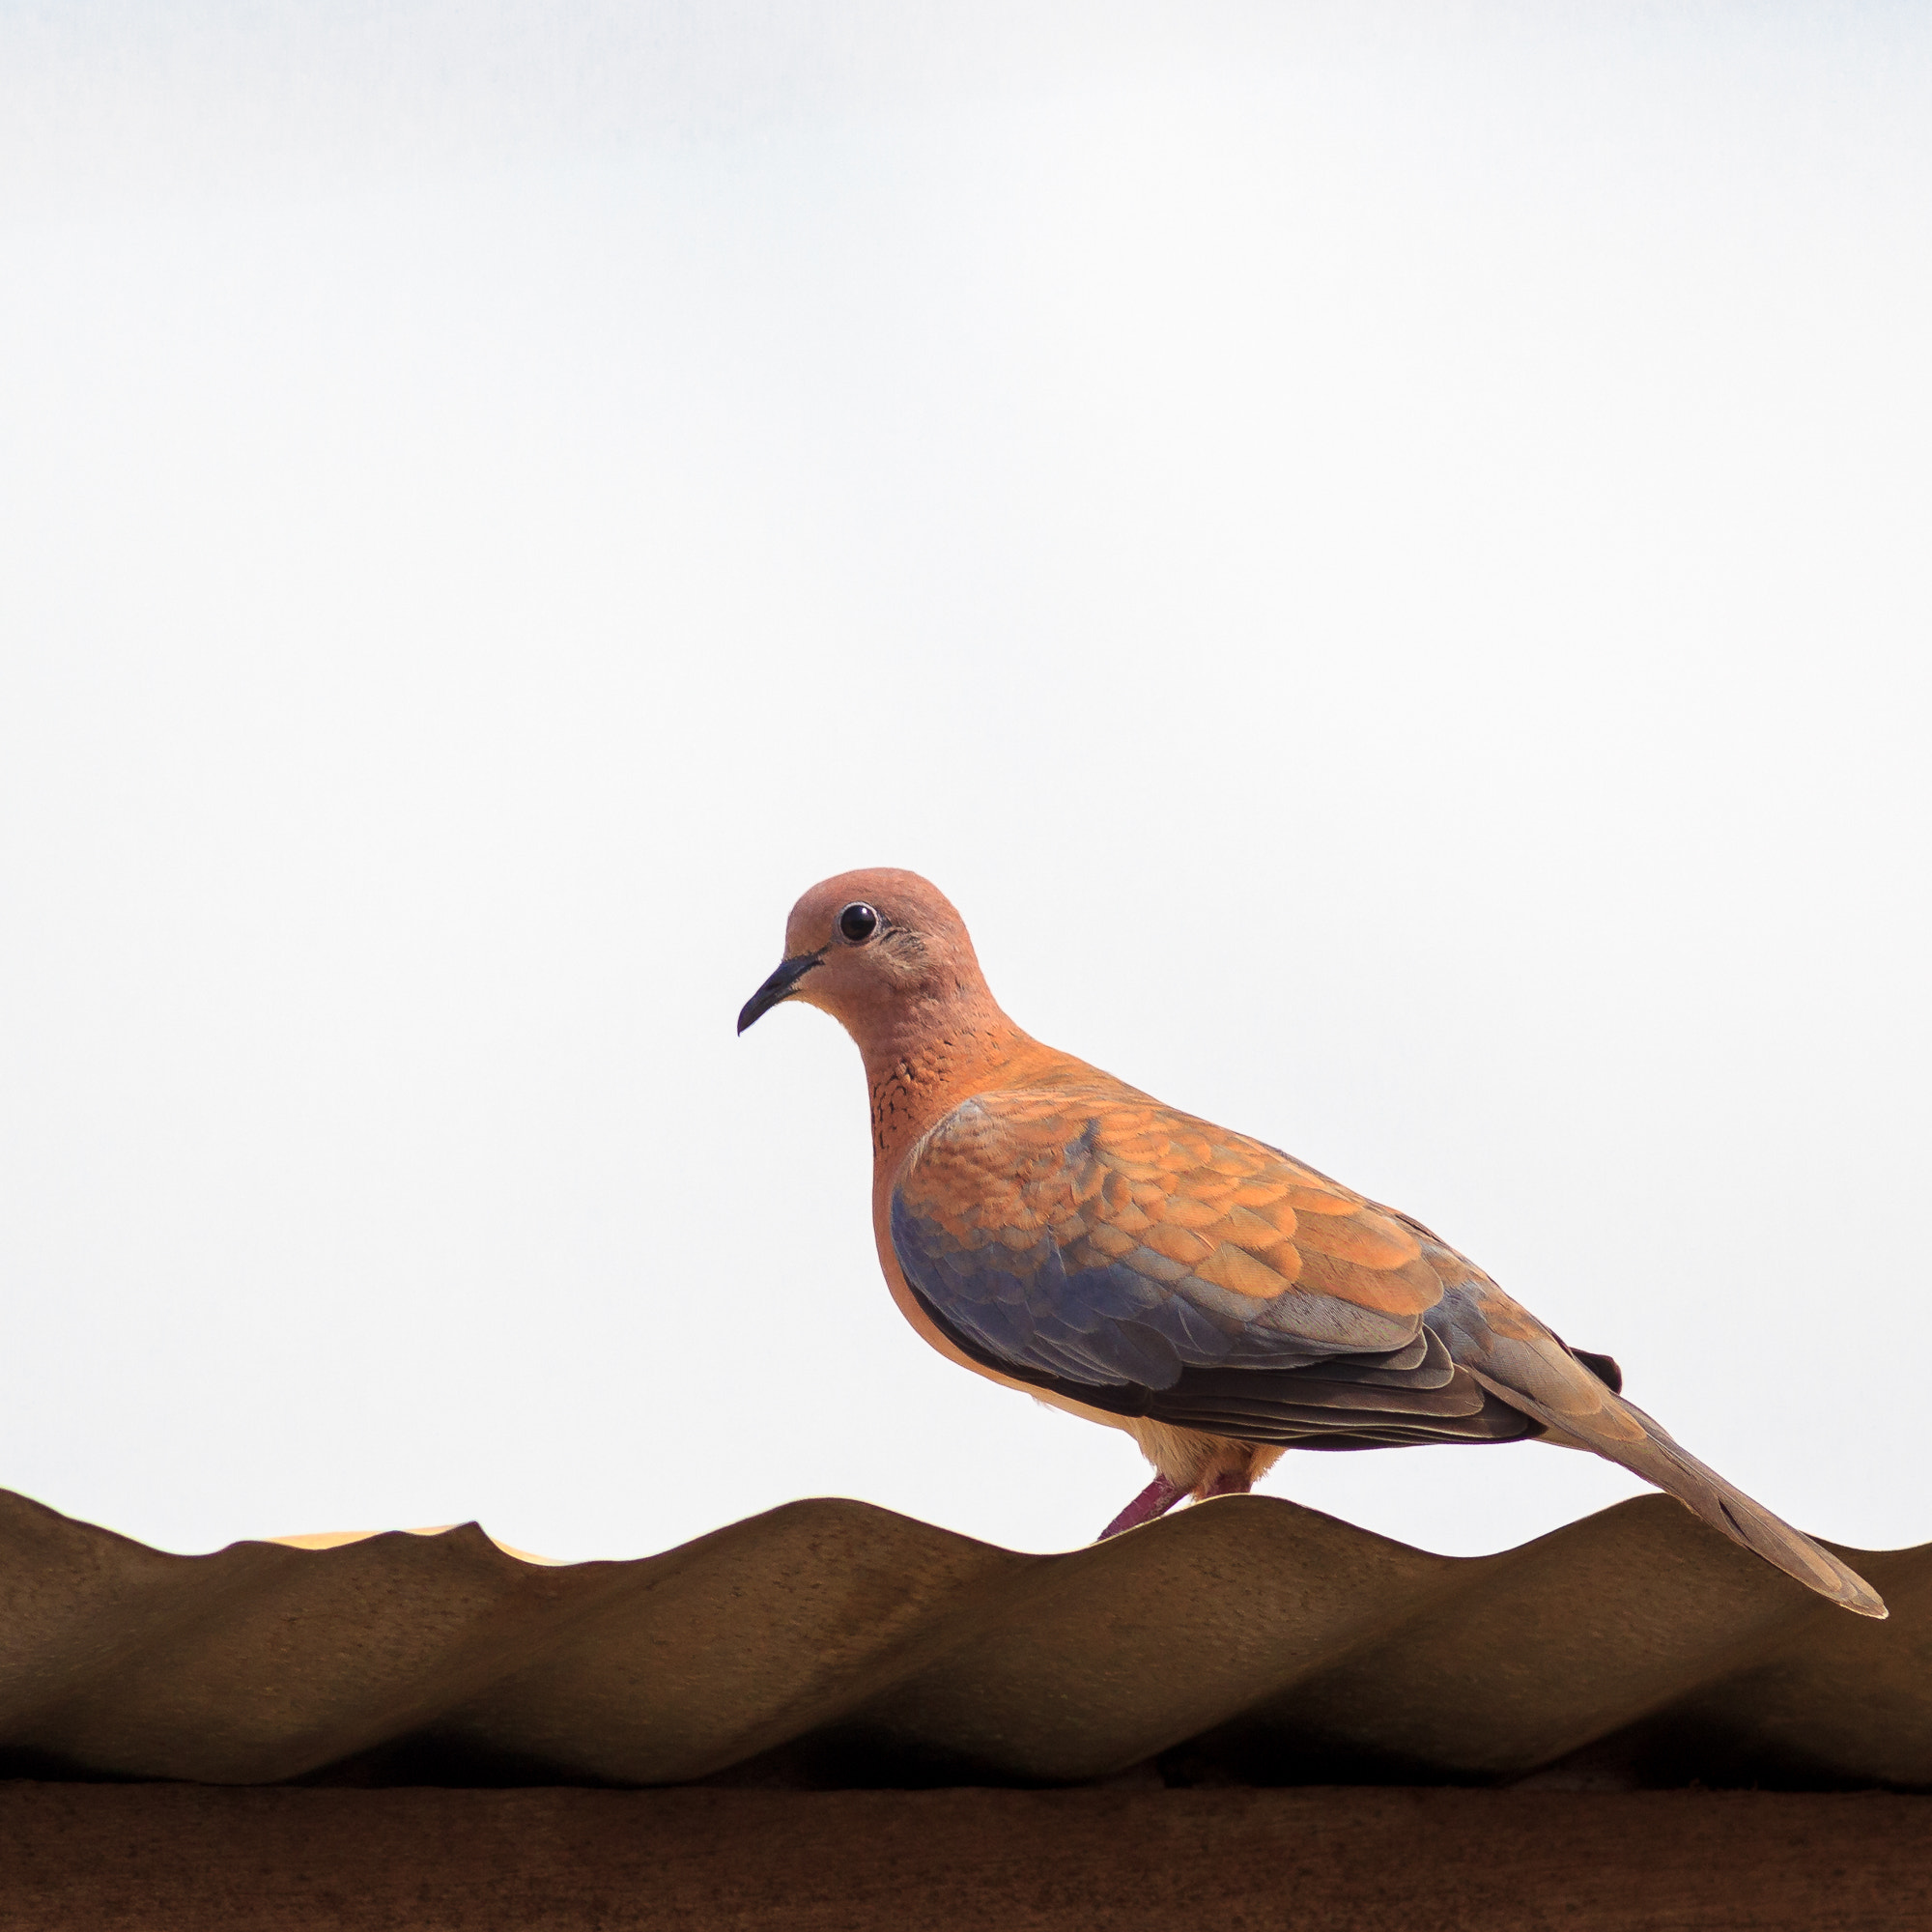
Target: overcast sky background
(1378,552)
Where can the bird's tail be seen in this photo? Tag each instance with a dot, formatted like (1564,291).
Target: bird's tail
(1658,1458)
(1533,1371)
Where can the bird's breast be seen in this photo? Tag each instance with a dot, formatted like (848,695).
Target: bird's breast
(887,1176)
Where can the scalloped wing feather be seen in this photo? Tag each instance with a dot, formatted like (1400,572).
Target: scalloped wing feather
(1098,1236)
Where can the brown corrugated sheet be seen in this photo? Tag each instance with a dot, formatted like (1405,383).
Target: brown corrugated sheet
(172,1857)
(832,1643)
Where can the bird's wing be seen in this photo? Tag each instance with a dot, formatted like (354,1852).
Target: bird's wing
(1086,1238)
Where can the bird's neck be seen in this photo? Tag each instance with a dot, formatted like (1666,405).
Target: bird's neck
(923,1063)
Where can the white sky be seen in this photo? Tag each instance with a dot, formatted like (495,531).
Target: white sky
(1378,552)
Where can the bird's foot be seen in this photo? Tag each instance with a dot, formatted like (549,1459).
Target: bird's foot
(1158,1498)
(1229,1483)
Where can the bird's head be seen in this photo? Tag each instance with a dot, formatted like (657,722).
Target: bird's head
(874,950)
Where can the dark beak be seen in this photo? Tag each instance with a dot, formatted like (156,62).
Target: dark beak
(780,987)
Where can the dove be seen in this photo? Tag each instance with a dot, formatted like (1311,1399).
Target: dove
(1060,1231)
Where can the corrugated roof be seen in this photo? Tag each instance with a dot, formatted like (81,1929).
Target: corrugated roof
(832,1642)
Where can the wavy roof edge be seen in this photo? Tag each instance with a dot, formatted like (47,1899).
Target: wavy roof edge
(830,1643)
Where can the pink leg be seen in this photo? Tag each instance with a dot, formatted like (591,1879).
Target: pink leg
(1156,1500)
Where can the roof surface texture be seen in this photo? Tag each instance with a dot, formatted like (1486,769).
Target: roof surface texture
(830,1644)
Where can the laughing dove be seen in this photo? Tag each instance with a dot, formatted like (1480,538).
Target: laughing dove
(1058,1230)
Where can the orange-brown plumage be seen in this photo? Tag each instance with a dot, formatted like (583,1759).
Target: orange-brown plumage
(1048,1226)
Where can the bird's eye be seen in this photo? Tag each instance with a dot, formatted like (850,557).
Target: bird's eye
(857,924)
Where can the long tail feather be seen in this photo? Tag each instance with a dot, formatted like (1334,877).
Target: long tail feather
(1622,1433)
(1520,1360)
